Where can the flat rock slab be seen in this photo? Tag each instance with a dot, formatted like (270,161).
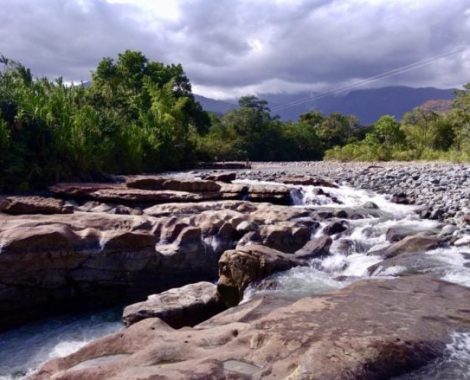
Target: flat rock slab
(169,183)
(185,306)
(151,189)
(17,205)
(373,329)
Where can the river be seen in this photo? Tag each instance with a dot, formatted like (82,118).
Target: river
(23,349)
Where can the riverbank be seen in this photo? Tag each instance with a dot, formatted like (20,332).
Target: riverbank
(141,237)
(442,190)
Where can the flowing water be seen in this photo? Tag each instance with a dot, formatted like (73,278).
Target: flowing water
(24,349)
(366,235)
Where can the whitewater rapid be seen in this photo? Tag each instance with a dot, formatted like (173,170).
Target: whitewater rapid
(24,349)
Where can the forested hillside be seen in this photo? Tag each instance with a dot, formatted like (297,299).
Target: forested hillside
(139,116)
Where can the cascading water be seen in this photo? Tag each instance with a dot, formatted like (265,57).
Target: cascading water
(364,236)
(24,349)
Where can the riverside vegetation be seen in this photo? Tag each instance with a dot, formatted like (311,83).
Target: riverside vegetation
(138,115)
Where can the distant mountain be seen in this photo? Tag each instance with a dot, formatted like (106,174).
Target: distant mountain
(216,106)
(368,105)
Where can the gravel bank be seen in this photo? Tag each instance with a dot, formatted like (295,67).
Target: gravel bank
(441,189)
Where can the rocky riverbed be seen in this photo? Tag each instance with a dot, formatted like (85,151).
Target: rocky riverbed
(299,270)
(442,190)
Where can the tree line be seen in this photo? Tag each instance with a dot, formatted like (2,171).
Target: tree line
(138,115)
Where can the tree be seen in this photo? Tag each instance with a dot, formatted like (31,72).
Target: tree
(337,129)
(388,131)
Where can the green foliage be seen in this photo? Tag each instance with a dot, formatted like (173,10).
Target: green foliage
(423,134)
(136,115)
(141,116)
(250,132)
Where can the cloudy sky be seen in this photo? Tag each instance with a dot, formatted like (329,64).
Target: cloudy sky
(234,47)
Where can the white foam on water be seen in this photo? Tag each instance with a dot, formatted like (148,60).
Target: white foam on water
(33,344)
(453,263)
(297,282)
(454,365)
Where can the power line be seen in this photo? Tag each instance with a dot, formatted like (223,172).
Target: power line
(375,78)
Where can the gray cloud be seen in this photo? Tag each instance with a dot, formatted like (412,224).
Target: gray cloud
(232,47)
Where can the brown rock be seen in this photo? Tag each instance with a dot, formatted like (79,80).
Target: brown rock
(335,227)
(172,183)
(138,196)
(226,177)
(183,209)
(17,205)
(81,190)
(418,243)
(307,181)
(128,241)
(401,198)
(185,306)
(244,265)
(316,248)
(276,194)
(145,182)
(50,263)
(374,329)
(466,218)
(285,237)
(397,233)
(120,194)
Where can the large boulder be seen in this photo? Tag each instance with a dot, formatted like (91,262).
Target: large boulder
(240,267)
(285,237)
(316,248)
(418,243)
(397,233)
(335,227)
(52,263)
(17,205)
(120,194)
(277,194)
(375,329)
(194,208)
(185,306)
(138,196)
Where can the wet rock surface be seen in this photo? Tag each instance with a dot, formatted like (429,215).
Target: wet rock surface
(185,306)
(240,267)
(19,205)
(370,330)
(161,235)
(442,190)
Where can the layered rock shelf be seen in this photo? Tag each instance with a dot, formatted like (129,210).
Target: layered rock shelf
(303,278)
(369,330)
